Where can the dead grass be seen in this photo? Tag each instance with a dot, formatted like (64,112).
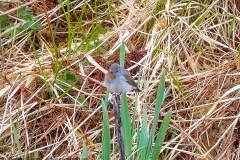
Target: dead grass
(196,43)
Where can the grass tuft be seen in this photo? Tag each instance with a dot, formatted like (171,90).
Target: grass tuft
(53,56)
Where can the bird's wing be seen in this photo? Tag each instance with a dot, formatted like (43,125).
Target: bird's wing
(129,79)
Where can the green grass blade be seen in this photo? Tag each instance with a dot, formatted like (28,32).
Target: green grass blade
(159,101)
(197,46)
(105,134)
(143,137)
(161,135)
(85,151)
(125,118)
(122,54)
(134,116)
(231,27)
(35,155)
(175,79)
(16,138)
(106,98)
(63,94)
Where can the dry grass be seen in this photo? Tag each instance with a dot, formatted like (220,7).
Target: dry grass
(196,43)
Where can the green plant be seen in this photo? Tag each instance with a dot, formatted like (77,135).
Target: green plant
(106,150)
(69,78)
(16,137)
(82,100)
(29,22)
(92,41)
(147,147)
(4,22)
(85,152)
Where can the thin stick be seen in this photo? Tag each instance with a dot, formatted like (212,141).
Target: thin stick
(118,125)
(16,8)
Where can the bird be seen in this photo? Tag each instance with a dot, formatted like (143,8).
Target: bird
(119,80)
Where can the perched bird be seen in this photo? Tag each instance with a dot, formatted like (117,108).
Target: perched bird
(119,80)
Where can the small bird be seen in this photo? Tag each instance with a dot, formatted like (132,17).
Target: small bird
(119,80)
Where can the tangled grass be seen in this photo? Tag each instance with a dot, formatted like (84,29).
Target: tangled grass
(54,56)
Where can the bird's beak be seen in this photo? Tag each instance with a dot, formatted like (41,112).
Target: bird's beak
(111,75)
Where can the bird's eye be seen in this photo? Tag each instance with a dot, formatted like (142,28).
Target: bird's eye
(116,71)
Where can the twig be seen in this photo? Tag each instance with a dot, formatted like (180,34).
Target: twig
(16,8)
(118,125)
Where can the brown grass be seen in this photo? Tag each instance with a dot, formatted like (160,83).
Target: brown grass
(203,83)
